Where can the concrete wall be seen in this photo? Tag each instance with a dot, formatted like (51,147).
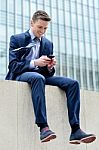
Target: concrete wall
(17,122)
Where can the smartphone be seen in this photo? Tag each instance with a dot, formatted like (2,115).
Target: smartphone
(50,56)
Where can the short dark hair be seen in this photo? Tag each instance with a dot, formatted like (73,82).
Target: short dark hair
(40,14)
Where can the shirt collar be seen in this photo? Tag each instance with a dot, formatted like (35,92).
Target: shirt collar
(32,35)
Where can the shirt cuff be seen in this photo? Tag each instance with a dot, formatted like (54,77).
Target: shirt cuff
(32,65)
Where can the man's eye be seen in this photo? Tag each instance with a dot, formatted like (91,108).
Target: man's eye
(39,27)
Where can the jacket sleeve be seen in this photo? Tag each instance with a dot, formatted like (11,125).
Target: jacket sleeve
(16,64)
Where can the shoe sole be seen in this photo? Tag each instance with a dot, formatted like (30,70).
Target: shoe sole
(48,138)
(88,139)
(84,140)
(75,142)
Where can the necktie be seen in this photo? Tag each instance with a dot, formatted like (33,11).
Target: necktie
(34,49)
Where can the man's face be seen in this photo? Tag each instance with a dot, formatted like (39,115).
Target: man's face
(39,27)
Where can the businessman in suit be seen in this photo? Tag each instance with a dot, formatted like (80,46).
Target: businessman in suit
(30,61)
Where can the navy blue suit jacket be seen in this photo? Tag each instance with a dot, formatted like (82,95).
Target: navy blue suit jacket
(18,63)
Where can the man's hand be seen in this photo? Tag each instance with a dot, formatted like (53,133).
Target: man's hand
(42,61)
(52,63)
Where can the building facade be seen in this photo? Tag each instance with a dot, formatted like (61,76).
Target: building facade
(74,30)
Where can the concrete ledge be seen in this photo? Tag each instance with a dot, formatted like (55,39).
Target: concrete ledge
(17,122)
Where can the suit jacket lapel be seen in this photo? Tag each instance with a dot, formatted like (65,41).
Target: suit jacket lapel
(27,38)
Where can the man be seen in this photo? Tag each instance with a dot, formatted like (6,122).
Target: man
(30,61)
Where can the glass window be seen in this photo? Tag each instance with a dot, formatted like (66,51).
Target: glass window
(85,78)
(54,3)
(98,47)
(75,47)
(54,15)
(61,17)
(68,45)
(61,31)
(40,7)
(92,25)
(88,52)
(84,2)
(91,79)
(48,9)
(55,29)
(74,33)
(91,2)
(40,2)
(33,8)
(55,42)
(11,6)
(67,5)
(96,3)
(78,78)
(85,10)
(97,14)
(47,2)
(81,35)
(2,65)
(10,31)
(93,38)
(2,33)
(71,71)
(26,8)
(34,1)
(19,20)
(19,6)
(49,36)
(60,4)
(74,20)
(67,19)
(87,37)
(81,49)
(11,19)
(79,9)
(26,22)
(80,22)
(62,44)
(3,5)
(86,24)
(97,26)
(68,32)
(19,30)
(94,55)
(79,1)
(97,80)
(3,17)
(3,56)
(91,12)
(64,68)
(73,7)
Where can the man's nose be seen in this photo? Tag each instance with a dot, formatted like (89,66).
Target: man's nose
(42,31)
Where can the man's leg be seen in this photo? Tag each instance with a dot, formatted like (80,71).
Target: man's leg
(71,88)
(37,83)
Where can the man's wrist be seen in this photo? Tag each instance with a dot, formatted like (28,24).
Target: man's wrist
(32,64)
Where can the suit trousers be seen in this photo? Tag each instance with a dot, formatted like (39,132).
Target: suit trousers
(38,82)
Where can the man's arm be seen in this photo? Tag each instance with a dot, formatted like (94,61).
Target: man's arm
(16,65)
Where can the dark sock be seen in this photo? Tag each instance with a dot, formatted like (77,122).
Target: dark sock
(75,128)
(42,125)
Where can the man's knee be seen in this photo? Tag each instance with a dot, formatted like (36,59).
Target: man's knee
(76,83)
(38,78)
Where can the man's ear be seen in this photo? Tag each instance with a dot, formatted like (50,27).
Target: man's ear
(31,23)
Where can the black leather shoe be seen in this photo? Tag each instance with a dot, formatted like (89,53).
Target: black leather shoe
(80,136)
(46,135)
